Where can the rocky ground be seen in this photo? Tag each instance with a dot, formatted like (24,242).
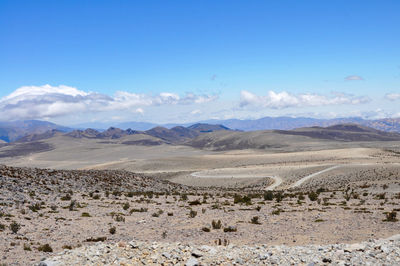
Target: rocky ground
(91,216)
(44,212)
(373,252)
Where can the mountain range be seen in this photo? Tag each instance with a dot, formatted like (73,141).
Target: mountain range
(12,131)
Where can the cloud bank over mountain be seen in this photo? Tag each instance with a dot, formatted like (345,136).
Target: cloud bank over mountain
(280,100)
(38,102)
(62,102)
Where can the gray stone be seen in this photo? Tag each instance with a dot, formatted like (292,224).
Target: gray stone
(263,256)
(133,244)
(166,255)
(192,262)
(197,253)
(48,263)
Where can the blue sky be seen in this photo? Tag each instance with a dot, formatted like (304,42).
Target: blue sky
(181,61)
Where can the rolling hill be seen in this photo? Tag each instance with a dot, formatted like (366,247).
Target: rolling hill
(12,131)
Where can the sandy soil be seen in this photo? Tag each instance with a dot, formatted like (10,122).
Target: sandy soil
(321,196)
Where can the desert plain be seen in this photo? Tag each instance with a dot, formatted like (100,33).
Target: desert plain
(67,193)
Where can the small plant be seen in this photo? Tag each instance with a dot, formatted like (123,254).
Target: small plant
(216,224)
(221,242)
(34,207)
(72,205)
(164,235)
(130,194)
(242,200)
(255,220)
(138,210)
(116,193)
(194,202)
(45,248)
(119,218)
(170,214)
(126,206)
(269,195)
(319,221)
(258,208)
(14,227)
(184,197)
(276,212)
(230,229)
(27,247)
(391,217)
(192,213)
(279,196)
(313,196)
(156,214)
(85,214)
(381,196)
(112,230)
(66,197)
(206,229)
(97,239)
(67,247)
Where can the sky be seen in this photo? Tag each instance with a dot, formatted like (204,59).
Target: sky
(72,62)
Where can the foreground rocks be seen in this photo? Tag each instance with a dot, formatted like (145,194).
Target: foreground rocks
(372,252)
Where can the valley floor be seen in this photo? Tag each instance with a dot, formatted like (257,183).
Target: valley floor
(324,197)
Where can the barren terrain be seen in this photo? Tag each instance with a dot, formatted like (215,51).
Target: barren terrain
(83,191)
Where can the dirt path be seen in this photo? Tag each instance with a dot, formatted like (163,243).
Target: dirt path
(306,178)
(277,182)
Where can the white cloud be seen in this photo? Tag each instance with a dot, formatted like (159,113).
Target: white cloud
(392,96)
(281,100)
(41,102)
(139,111)
(354,77)
(196,112)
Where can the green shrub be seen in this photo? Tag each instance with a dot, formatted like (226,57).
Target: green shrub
(14,227)
(391,217)
(126,206)
(313,196)
(138,210)
(242,200)
(194,202)
(255,220)
(66,197)
(112,230)
(216,224)
(45,248)
(192,213)
(268,195)
(27,247)
(230,229)
(35,207)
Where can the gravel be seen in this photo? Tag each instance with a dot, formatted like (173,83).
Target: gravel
(372,252)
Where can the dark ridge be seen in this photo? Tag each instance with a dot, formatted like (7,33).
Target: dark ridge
(205,128)
(37,137)
(344,132)
(144,142)
(22,149)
